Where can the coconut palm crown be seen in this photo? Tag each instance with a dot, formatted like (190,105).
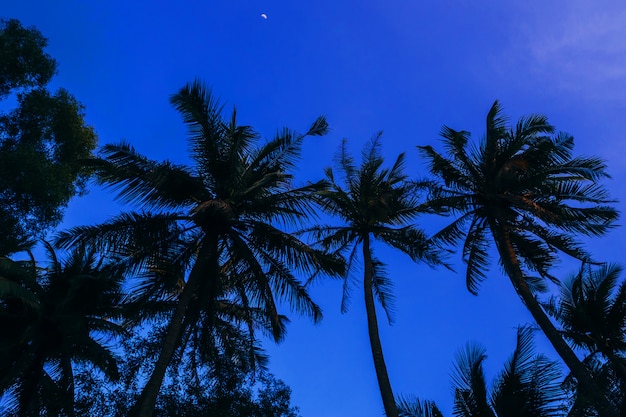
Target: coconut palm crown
(522,189)
(375,204)
(214,230)
(592,311)
(52,318)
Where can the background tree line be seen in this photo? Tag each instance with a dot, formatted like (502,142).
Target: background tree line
(213,249)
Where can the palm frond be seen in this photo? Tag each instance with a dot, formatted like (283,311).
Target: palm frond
(455,231)
(202,113)
(411,241)
(495,132)
(414,407)
(348,279)
(382,287)
(591,309)
(125,234)
(529,385)
(451,174)
(475,254)
(266,272)
(144,182)
(470,387)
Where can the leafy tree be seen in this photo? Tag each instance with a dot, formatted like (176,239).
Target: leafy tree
(51,318)
(376,204)
(227,386)
(214,229)
(528,386)
(523,190)
(42,141)
(23,62)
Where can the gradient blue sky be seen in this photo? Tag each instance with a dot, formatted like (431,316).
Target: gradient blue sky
(404,67)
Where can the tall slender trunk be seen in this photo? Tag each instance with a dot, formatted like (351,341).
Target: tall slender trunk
(147,400)
(68,377)
(578,369)
(389,401)
(28,399)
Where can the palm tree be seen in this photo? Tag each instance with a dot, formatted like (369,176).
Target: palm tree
(203,369)
(523,189)
(414,407)
(592,312)
(221,217)
(53,317)
(528,386)
(376,204)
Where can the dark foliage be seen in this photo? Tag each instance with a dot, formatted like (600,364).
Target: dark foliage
(23,62)
(524,190)
(375,204)
(213,237)
(227,387)
(50,319)
(42,141)
(528,386)
(592,311)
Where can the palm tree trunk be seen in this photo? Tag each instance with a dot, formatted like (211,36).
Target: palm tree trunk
(578,369)
(147,400)
(68,376)
(384,385)
(28,398)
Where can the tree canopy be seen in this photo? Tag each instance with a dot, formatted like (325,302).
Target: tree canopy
(157,311)
(42,140)
(524,190)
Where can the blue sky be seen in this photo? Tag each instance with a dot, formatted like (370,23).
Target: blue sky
(403,67)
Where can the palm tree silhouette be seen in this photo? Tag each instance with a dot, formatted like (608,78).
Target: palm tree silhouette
(376,204)
(51,317)
(592,312)
(521,189)
(213,229)
(528,386)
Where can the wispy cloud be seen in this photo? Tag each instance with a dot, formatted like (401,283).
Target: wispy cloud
(578,46)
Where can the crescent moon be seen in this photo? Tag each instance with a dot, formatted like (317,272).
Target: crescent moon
(263,15)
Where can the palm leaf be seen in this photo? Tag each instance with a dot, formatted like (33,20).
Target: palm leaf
(475,254)
(470,388)
(383,289)
(147,183)
(414,407)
